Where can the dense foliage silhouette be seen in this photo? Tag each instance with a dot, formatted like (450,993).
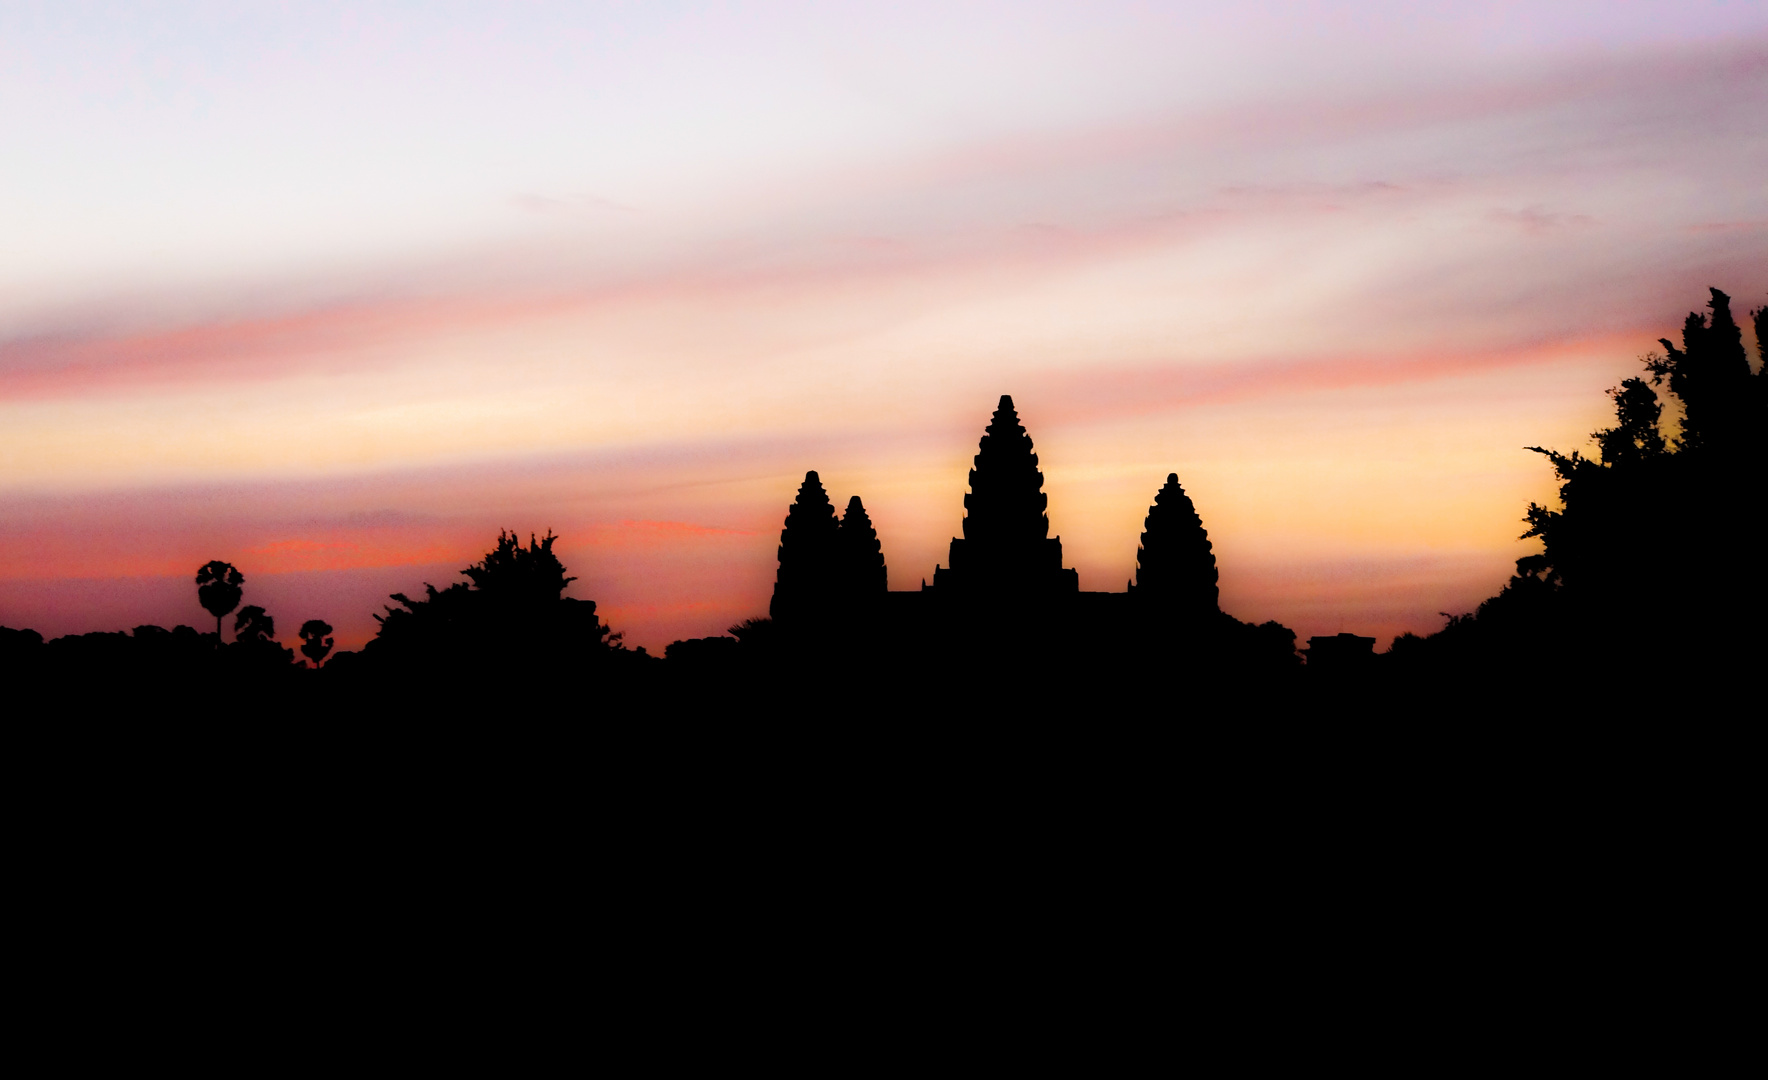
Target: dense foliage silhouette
(253,623)
(511,623)
(1653,557)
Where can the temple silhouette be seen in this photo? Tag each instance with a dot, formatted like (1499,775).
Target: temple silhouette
(1006,550)
(1004,588)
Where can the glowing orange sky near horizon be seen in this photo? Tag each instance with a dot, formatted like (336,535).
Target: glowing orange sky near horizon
(1337,300)
(1312,492)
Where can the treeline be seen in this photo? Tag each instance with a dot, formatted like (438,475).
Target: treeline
(508,625)
(508,636)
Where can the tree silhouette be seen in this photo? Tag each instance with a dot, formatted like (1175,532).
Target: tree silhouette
(808,581)
(1760,317)
(254,645)
(1654,550)
(253,623)
(1711,374)
(1175,566)
(521,575)
(513,619)
(1626,515)
(218,589)
(315,643)
(1635,438)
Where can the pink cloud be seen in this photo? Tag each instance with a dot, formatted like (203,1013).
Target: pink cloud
(1106,393)
(1046,200)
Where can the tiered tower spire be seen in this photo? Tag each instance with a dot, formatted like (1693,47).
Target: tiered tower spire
(863,573)
(807,584)
(1175,567)
(1006,547)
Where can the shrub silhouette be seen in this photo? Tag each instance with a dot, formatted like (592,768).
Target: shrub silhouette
(218,589)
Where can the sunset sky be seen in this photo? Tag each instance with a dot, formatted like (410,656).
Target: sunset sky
(336,291)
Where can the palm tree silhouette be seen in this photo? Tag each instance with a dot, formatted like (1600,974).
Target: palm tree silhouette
(314,642)
(218,590)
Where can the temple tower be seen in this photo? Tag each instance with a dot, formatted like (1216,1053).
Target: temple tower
(1175,566)
(808,585)
(863,574)
(1006,549)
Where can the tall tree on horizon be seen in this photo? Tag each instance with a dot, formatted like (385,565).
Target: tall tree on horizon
(1637,508)
(219,586)
(1654,552)
(1711,375)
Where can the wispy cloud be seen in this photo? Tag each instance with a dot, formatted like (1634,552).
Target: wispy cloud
(1536,220)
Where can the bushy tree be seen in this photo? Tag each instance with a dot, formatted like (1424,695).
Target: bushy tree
(1630,513)
(511,620)
(1710,373)
(253,623)
(1654,551)
(254,645)
(520,575)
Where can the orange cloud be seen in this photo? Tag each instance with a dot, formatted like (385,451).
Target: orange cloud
(288,556)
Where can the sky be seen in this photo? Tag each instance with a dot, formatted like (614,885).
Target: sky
(335,292)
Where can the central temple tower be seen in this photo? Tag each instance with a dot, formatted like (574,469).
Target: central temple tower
(1006,549)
